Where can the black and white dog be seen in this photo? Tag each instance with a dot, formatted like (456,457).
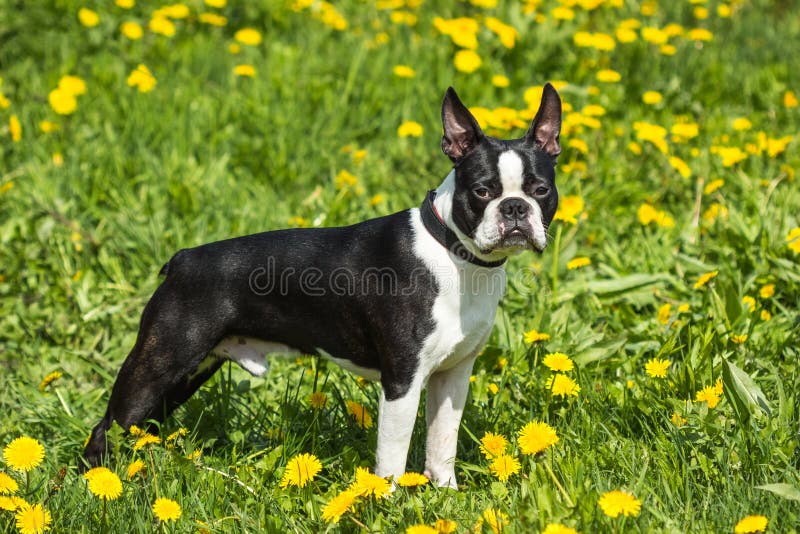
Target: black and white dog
(408,299)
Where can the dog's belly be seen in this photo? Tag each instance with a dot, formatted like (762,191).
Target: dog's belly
(251,353)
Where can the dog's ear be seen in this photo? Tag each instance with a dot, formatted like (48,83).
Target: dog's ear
(546,126)
(461,131)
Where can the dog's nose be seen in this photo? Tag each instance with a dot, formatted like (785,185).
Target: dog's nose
(514,209)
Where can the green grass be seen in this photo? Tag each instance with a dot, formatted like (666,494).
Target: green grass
(207,155)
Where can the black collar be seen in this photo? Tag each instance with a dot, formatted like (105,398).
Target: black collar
(446,237)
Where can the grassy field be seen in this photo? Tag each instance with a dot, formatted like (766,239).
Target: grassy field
(678,240)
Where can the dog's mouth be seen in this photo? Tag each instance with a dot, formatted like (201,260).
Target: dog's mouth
(515,239)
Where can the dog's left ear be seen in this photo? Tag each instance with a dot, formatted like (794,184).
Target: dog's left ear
(546,126)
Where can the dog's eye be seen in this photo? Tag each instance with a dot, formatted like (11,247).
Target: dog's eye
(482,192)
(542,191)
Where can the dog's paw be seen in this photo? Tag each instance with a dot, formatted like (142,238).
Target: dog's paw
(444,478)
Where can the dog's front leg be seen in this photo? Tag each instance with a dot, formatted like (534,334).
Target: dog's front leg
(395,425)
(447,393)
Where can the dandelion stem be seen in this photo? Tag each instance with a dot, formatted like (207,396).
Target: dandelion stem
(558,485)
(153,468)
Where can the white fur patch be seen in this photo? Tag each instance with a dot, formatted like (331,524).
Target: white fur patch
(251,353)
(510,166)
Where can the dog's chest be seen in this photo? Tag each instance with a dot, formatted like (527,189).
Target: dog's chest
(465,307)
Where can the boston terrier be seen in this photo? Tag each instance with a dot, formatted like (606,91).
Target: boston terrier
(408,299)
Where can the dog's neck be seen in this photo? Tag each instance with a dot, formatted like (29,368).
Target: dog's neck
(444,206)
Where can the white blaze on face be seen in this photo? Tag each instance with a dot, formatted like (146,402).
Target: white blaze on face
(490,230)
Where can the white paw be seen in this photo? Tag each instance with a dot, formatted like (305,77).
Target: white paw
(444,477)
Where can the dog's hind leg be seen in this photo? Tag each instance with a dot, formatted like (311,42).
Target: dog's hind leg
(165,367)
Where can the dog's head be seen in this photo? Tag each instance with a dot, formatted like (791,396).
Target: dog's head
(505,193)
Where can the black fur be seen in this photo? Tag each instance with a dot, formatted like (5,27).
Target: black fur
(358,293)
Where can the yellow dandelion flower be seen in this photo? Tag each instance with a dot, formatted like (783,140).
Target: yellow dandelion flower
(751,523)
(404,71)
(301,470)
(131,30)
(48,126)
(136,432)
(793,240)
(677,419)
(652,97)
(339,505)
(741,124)
(681,166)
(23,454)
(62,102)
(49,379)
(213,19)
(507,34)
(420,529)
(467,61)
(12,503)
(614,503)
(367,484)
(718,387)
(535,437)
(15,128)
(88,18)
(125,4)
(162,26)
(494,519)
(145,440)
(738,339)
(360,414)
(704,279)
(767,291)
(244,70)
(219,4)
(410,129)
(248,36)
(558,361)
(493,445)
(104,484)
(562,386)
(166,509)
(558,528)
(377,199)
(713,186)
(577,263)
(175,11)
(463,30)
(136,467)
(789,99)
(765,315)
(708,395)
(403,17)
(533,336)
(700,34)
(504,466)
(318,400)
(562,13)
(7,484)
(499,80)
(569,207)
(664,313)
(142,79)
(445,526)
(656,368)
(32,519)
(411,479)
(608,76)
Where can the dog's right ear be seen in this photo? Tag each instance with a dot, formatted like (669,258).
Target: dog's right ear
(461,131)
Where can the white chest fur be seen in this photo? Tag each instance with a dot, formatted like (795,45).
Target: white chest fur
(465,307)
